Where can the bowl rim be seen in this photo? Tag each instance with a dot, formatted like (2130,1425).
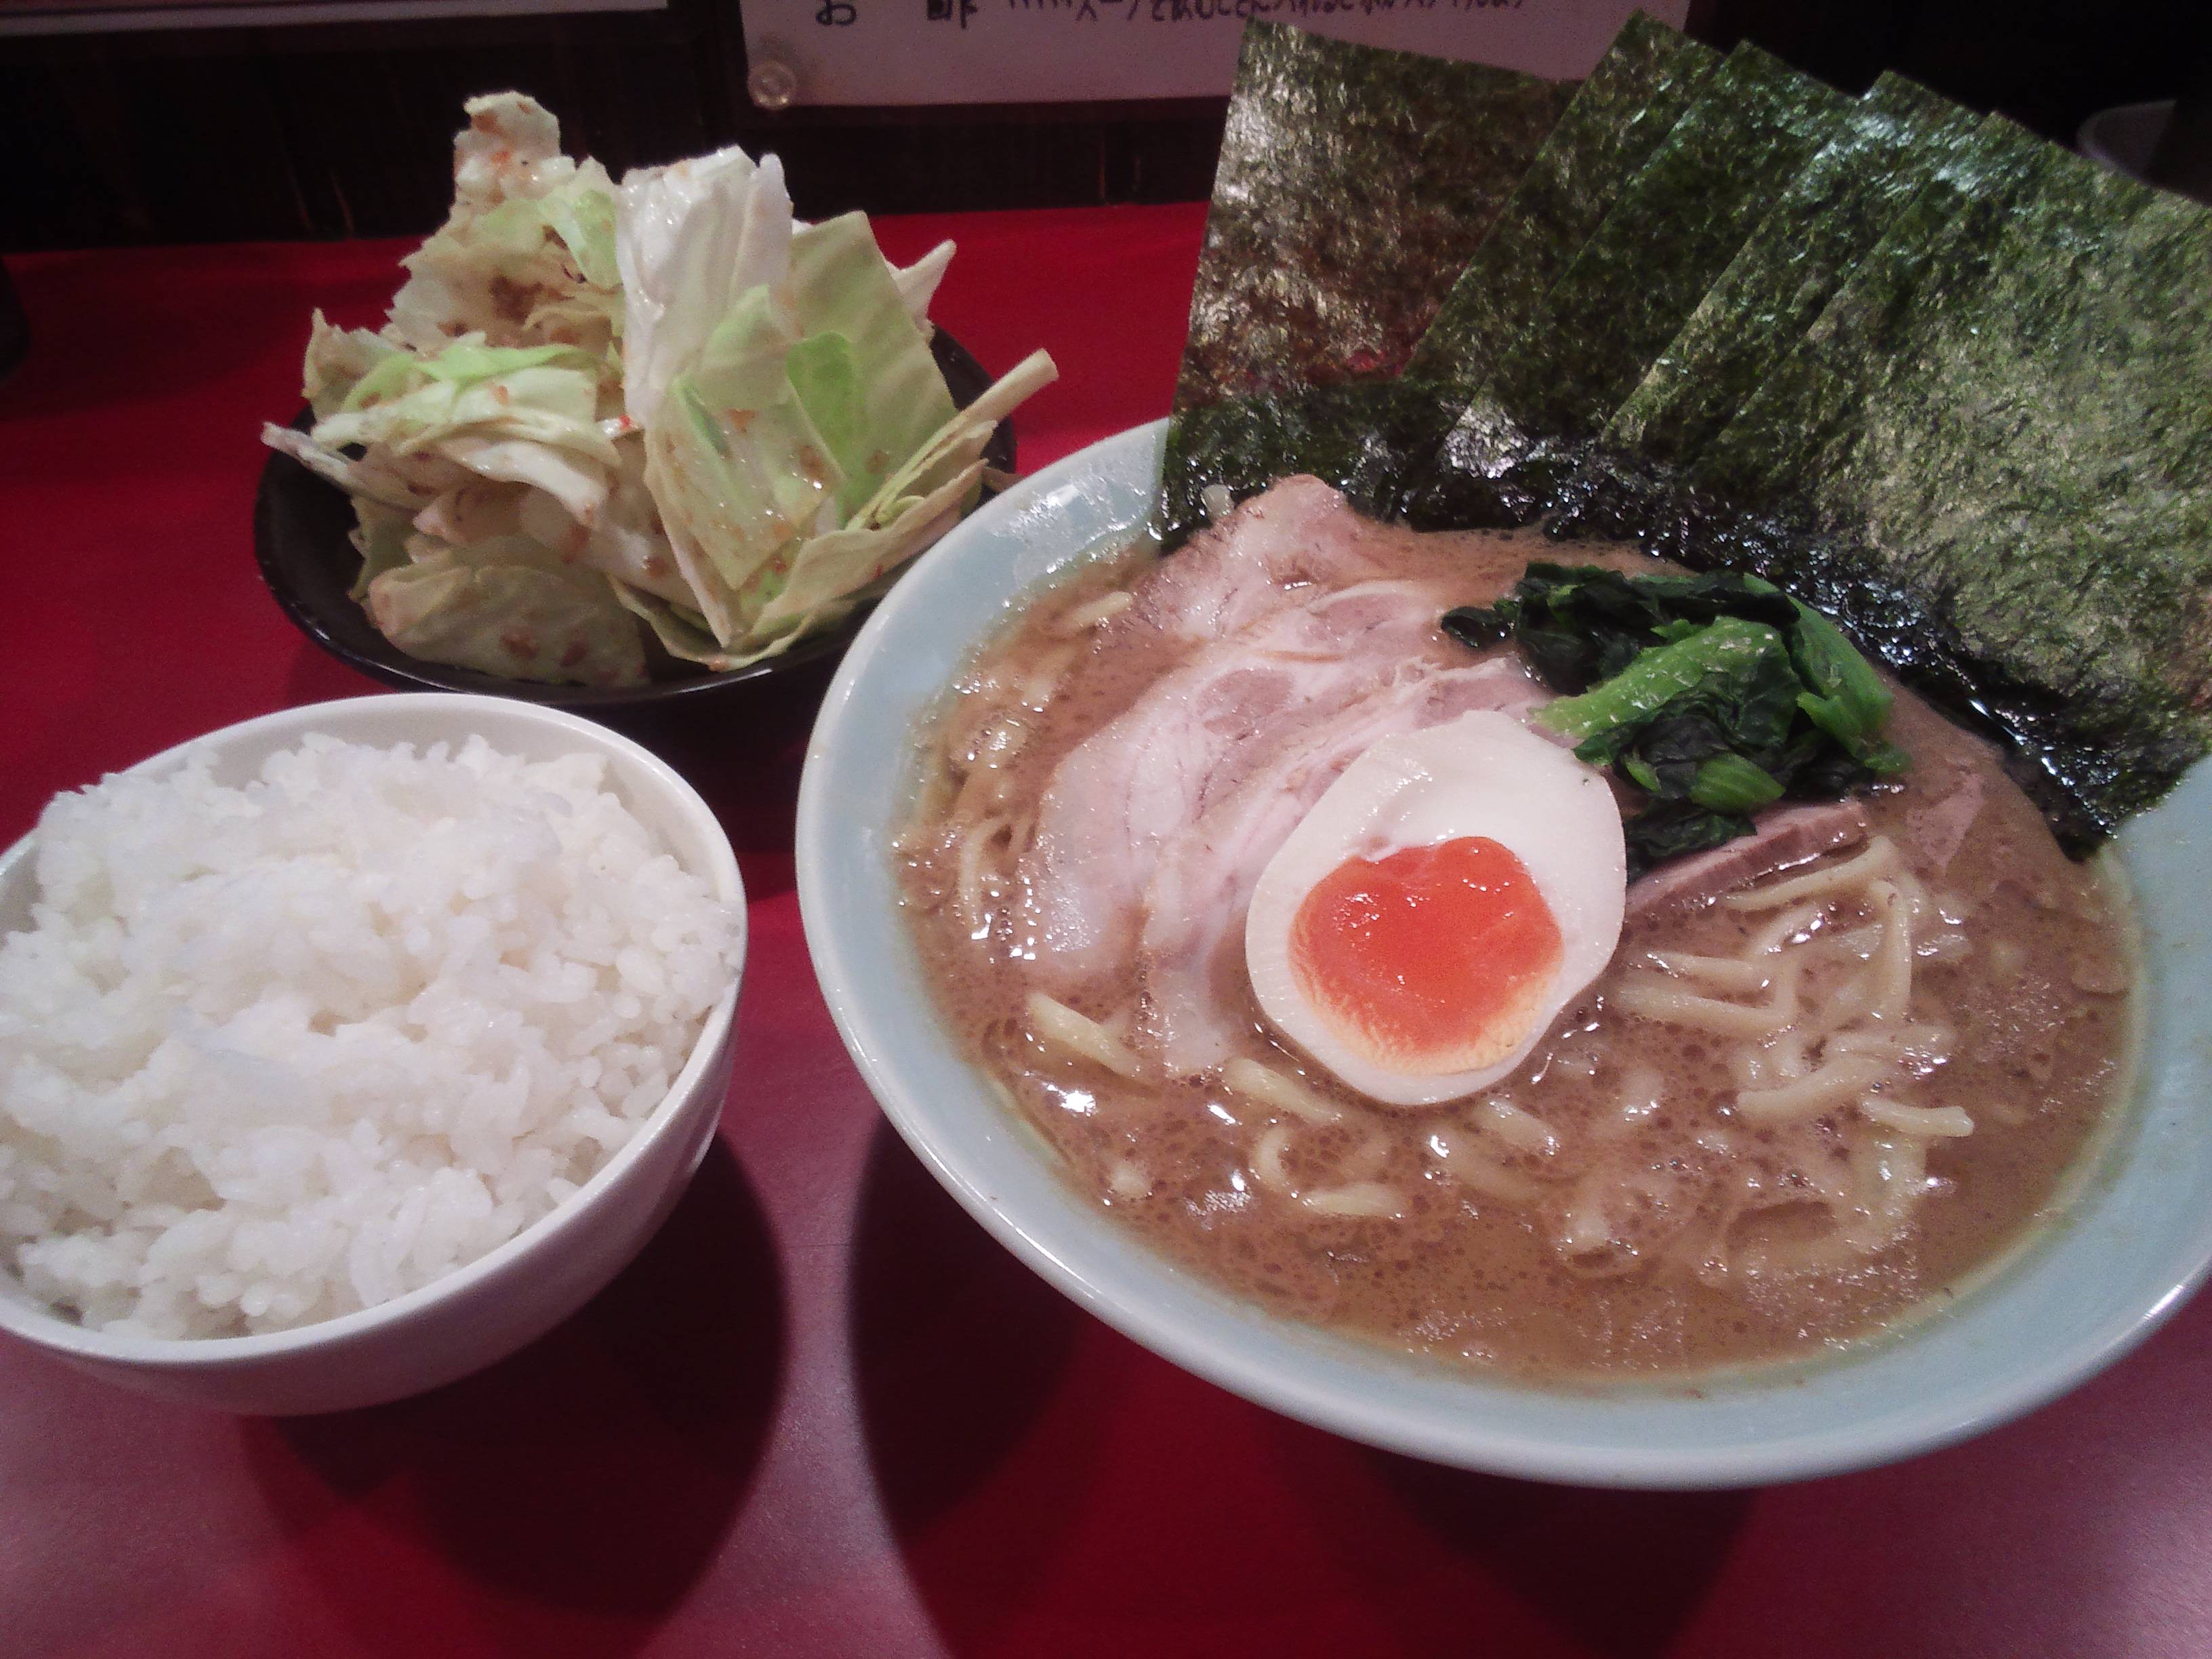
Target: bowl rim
(1099,1278)
(23,1315)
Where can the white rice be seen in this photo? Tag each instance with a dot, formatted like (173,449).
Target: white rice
(273,1053)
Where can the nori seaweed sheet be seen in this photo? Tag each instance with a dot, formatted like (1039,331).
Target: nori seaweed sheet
(1751,458)
(1631,100)
(2088,765)
(1832,214)
(1354,183)
(2012,430)
(1365,437)
(1674,229)
(1989,457)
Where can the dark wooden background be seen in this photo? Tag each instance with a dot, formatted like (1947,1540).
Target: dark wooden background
(342,130)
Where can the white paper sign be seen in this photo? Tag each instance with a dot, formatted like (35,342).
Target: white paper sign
(1024,51)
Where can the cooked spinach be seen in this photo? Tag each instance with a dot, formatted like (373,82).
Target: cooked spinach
(1714,695)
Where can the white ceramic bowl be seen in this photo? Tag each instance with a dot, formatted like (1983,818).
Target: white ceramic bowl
(2137,1239)
(484,1311)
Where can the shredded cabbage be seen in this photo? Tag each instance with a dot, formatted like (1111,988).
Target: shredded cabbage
(597,415)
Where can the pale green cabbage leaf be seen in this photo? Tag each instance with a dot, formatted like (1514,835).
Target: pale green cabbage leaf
(797,409)
(523,617)
(526,257)
(669,403)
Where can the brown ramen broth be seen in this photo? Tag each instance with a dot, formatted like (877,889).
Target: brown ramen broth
(1784,1115)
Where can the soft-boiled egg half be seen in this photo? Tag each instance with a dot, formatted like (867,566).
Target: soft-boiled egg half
(1433,912)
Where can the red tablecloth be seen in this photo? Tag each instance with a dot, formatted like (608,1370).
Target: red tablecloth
(822,1415)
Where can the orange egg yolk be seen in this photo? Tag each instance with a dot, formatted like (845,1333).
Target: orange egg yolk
(1431,960)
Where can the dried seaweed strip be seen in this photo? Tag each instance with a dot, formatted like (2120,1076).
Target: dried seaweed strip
(1829,218)
(2008,425)
(1365,437)
(1648,77)
(1675,229)
(2088,762)
(1354,183)
(1990,456)
(1760,458)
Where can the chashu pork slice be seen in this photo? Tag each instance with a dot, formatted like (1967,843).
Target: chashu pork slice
(1785,835)
(1195,1001)
(1190,741)
(1275,550)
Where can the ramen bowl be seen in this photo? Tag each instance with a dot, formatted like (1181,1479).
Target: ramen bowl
(2133,1239)
(482,1310)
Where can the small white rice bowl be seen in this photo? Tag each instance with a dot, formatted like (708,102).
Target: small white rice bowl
(277,1049)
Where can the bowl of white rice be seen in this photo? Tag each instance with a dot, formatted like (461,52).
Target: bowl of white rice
(344,1051)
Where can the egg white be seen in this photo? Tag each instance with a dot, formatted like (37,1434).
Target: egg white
(1484,773)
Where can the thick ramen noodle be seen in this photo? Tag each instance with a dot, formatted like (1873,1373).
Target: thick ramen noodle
(1828,1075)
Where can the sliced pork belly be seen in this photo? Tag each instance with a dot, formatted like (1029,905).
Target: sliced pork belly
(1784,836)
(1271,552)
(1194,737)
(1190,951)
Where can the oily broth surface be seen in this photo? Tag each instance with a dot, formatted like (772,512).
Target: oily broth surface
(2038,1000)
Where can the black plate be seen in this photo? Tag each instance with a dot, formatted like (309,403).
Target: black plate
(300,524)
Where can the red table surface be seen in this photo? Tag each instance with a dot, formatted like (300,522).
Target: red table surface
(822,1413)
